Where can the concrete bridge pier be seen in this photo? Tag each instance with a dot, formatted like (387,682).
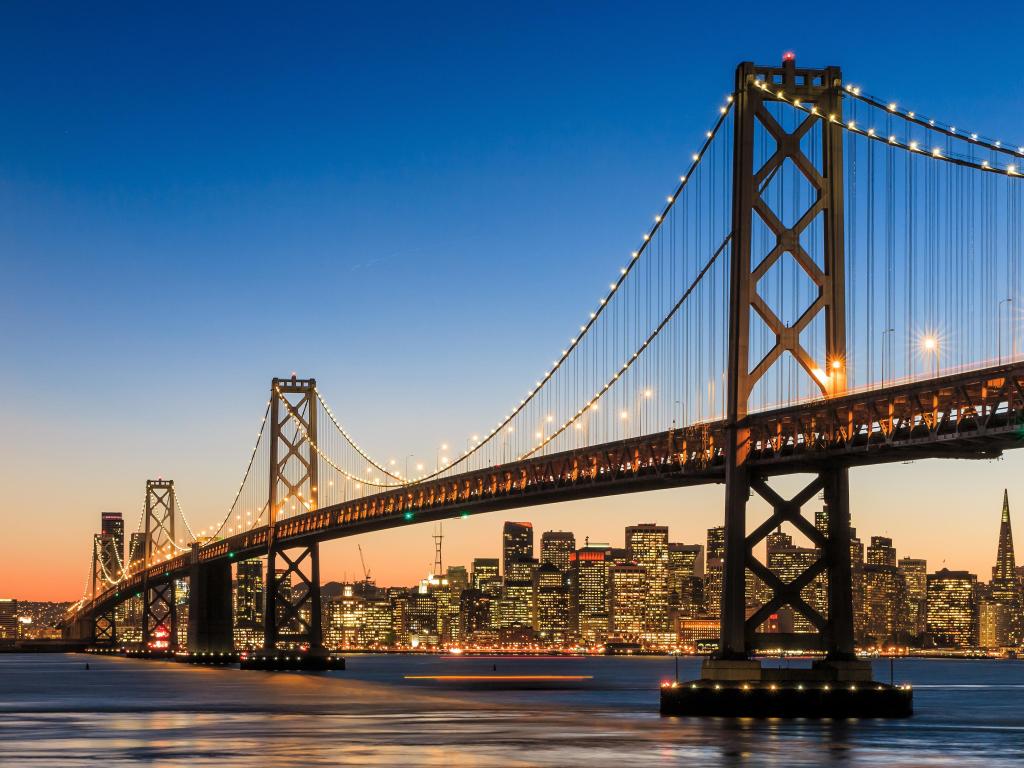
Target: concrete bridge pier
(210,625)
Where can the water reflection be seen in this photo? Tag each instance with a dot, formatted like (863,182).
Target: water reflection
(125,712)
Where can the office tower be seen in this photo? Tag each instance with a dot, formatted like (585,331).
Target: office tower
(685,570)
(136,549)
(399,599)
(627,587)
(881,552)
(516,605)
(423,629)
(857,584)
(590,592)
(112,524)
(993,624)
(516,544)
(376,629)
(915,576)
(1005,588)
(952,608)
(550,605)
(788,561)
(487,577)
(8,619)
(458,578)
(647,546)
(476,624)
(556,547)
(713,575)
(249,603)
(885,600)
(344,620)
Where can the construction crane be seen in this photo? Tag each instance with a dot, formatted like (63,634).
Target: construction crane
(366,573)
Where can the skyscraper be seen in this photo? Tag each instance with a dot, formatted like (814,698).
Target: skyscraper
(881,551)
(550,605)
(136,548)
(590,594)
(516,544)
(556,548)
(627,589)
(715,567)
(857,584)
(1004,572)
(885,600)
(112,524)
(486,576)
(647,546)
(685,569)
(249,603)
(788,561)
(951,608)
(915,576)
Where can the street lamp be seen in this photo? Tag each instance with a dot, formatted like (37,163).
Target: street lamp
(931,344)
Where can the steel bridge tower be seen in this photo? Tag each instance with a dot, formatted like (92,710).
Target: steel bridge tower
(159,613)
(821,163)
(292,611)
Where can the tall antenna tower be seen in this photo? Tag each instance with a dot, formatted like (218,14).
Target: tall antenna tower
(438,538)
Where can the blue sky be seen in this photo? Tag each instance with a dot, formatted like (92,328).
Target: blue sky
(411,202)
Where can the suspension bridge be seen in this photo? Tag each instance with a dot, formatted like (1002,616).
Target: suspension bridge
(833,280)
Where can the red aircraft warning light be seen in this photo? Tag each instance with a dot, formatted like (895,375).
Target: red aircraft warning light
(789,56)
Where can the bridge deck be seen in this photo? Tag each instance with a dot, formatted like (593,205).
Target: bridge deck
(976,414)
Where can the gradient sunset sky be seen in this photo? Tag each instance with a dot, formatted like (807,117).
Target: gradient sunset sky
(412,203)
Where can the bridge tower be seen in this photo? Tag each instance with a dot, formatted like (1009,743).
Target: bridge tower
(821,163)
(159,612)
(292,606)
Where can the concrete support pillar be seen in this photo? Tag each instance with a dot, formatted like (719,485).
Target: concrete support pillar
(210,618)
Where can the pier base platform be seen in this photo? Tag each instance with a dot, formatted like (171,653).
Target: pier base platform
(291,660)
(827,690)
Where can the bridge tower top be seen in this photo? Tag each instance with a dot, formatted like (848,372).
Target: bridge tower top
(293,436)
(159,518)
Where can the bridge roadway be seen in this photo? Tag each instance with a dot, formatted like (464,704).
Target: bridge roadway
(976,414)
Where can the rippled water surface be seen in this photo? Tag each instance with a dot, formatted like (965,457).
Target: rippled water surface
(125,712)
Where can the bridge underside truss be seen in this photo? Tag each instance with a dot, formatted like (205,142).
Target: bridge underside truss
(159,621)
(293,608)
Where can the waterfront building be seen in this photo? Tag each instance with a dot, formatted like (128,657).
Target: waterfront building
(627,590)
(8,619)
(952,609)
(556,547)
(647,546)
(994,624)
